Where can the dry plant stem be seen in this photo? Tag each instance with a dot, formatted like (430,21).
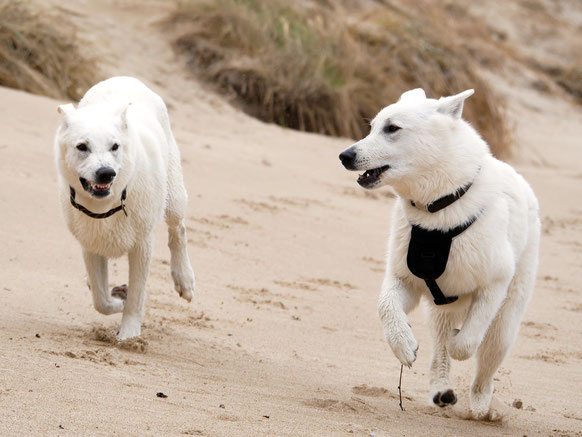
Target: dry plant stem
(400,387)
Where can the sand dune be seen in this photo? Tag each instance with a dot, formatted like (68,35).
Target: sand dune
(282,336)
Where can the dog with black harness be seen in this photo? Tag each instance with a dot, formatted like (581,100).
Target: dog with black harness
(464,234)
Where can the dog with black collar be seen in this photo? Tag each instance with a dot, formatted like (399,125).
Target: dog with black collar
(119,174)
(464,234)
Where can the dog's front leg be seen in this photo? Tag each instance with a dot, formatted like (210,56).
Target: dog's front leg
(139,266)
(486,302)
(395,302)
(98,278)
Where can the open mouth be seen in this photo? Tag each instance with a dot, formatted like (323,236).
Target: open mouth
(96,190)
(369,178)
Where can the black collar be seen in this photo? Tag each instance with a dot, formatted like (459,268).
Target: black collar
(103,214)
(447,200)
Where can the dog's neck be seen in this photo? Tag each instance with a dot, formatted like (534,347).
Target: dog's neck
(436,189)
(98,215)
(446,200)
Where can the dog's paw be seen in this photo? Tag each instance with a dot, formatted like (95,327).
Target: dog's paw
(481,402)
(129,329)
(444,398)
(481,409)
(460,346)
(117,305)
(185,293)
(403,344)
(119,292)
(489,415)
(112,305)
(184,283)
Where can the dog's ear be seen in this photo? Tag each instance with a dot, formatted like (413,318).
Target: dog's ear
(453,105)
(122,111)
(67,112)
(415,94)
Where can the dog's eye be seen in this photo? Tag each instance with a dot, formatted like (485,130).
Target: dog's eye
(391,128)
(114,147)
(82,147)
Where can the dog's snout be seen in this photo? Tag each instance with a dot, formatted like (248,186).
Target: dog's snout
(104,175)
(347,157)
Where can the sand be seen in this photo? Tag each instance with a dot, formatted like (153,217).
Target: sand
(282,336)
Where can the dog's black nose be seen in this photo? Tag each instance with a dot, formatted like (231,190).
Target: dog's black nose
(104,175)
(347,158)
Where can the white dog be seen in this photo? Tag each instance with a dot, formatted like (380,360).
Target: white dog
(452,195)
(119,174)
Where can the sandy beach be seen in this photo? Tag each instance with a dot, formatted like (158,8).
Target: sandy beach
(282,337)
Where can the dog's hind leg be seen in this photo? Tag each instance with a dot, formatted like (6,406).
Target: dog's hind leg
(180,266)
(441,322)
(139,266)
(484,307)
(502,333)
(97,279)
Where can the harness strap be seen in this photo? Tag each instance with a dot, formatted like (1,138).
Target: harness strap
(103,214)
(452,233)
(437,294)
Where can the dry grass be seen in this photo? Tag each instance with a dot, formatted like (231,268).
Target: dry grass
(39,53)
(568,78)
(571,80)
(317,67)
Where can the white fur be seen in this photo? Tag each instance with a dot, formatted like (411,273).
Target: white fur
(123,110)
(492,265)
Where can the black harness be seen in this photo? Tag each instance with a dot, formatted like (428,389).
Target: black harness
(103,214)
(428,251)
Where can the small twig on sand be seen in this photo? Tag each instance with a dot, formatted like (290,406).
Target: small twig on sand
(400,387)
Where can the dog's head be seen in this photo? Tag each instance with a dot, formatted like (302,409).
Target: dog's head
(91,148)
(406,138)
